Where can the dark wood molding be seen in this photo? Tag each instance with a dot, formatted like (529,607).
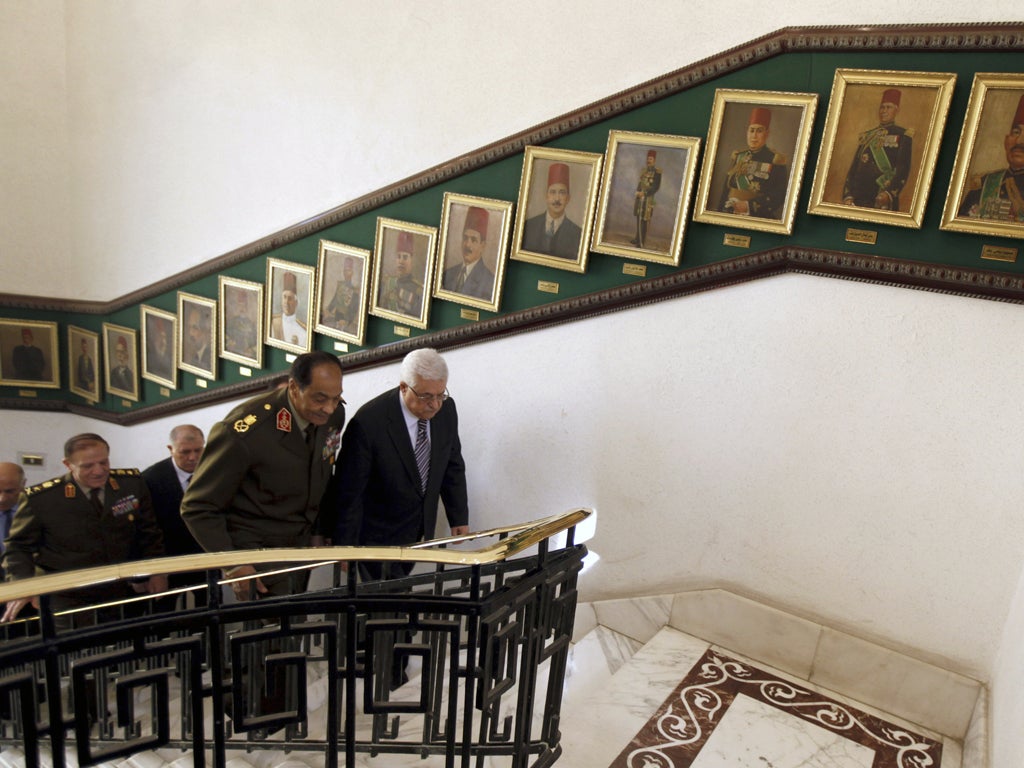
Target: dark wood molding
(990,37)
(959,281)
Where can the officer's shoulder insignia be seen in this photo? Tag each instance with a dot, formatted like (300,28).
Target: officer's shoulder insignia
(45,486)
(267,406)
(736,153)
(242,425)
(126,472)
(657,169)
(284,420)
(909,133)
(780,159)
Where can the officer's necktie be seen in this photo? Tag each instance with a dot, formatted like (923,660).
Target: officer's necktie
(94,498)
(422,452)
(310,429)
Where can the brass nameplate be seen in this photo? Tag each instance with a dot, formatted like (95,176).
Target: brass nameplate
(289,357)
(401,330)
(201,383)
(866,236)
(340,346)
(27,393)
(469,314)
(636,270)
(243,371)
(998,253)
(126,403)
(547,286)
(165,392)
(736,241)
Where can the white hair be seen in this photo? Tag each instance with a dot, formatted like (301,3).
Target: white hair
(424,365)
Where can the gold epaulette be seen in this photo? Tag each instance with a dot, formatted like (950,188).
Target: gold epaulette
(45,485)
(242,425)
(126,472)
(780,159)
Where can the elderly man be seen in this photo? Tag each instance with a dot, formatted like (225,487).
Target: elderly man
(881,164)
(552,232)
(472,277)
(264,470)
(999,195)
(757,180)
(91,516)
(12,483)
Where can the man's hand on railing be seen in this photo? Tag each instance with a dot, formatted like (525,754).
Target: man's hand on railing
(154,585)
(460,530)
(242,588)
(319,541)
(13,608)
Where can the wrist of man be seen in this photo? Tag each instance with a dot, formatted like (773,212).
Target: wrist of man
(230,573)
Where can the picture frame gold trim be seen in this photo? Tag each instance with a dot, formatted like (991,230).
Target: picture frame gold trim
(122,383)
(624,167)
(584,170)
(159,365)
(387,299)
(22,373)
(347,320)
(197,352)
(925,97)
(454,214)
(793,118)
(240,326)
(985,123)
(273,314)
(80,385)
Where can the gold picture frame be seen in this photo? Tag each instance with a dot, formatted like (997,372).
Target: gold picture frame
(473,251)
(159,346)
(985,189)
(28,354)
(342,292)
(752,171)
(83,368)
(120,361)
(197,335)
(240,327)
(548,196)
(289,286)
(645,196)
(403,266)
(873,151)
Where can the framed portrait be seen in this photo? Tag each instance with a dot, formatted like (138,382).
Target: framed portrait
(986,191)
(83,352)
(881,140)
(241,321)
(557,197)
(402,268)
(288,313)
(120,361)
(473,250)
(342,291)
(159,350)
(754,162)
(28,354)
(197,335)
(645,196)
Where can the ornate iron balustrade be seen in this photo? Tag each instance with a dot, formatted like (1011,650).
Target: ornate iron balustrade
(485,633)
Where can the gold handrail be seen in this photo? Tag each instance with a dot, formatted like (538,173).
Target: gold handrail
(519,538)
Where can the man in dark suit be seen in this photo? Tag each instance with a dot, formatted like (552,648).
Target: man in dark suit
(400,454)
(167,480)
(471,276)
(552,232)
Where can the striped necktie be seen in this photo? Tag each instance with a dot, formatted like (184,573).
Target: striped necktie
(422,452)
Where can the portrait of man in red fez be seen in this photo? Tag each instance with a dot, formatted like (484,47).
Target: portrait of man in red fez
(553,232)
(467,270)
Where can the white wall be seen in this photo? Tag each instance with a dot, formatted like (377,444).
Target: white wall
(847,451)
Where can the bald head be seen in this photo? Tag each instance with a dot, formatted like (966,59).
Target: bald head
(187,443)
(12,483)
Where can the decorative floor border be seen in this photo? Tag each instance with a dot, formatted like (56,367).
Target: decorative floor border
(677,732)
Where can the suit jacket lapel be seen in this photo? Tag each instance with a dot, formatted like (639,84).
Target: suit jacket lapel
(399,434)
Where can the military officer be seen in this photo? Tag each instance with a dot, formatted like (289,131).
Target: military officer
(401,292)
(758,178)
(265,467)
(999,195)
(881,165)
(643,205)
(91,516)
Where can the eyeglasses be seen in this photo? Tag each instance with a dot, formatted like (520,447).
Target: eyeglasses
(430,398)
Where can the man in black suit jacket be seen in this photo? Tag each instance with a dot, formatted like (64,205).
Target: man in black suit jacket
(167,480)
(379,495)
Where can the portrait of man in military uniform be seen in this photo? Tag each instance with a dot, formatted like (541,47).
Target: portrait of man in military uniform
(342,291)
(881,163)
(83,352)
(998,194)
(758,176)
(405,258)
(241,322)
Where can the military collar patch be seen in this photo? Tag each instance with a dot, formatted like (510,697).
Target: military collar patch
(114,485)
(284,420)
(69,491)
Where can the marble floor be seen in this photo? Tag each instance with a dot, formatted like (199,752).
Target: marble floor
(672,702)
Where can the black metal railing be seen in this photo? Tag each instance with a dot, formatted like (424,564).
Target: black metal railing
(462,661)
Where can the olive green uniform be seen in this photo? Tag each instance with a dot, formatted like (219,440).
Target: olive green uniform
(258,484)
(57,528)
